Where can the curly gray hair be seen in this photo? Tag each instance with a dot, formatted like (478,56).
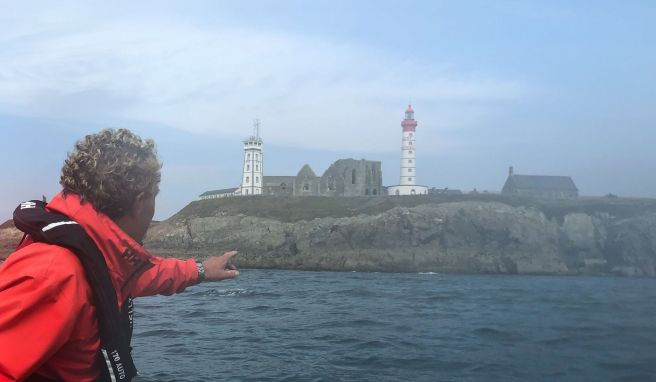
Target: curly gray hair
(110,168)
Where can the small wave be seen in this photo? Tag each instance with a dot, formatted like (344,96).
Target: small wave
(428,273)
(496,334)
(258,308)
(365,322)
(223,293)
(374,344)
(166,333)
(286,309)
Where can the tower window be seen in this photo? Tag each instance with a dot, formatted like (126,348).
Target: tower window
(257,179)
(247,179)
(410,170)
(353,177)
(410,152)
(248,167)
(409,160)
(410,179)
(248,156)
(257,167)
(246,191)
(257,156)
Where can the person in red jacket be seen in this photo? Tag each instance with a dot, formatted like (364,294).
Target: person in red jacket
(49,322)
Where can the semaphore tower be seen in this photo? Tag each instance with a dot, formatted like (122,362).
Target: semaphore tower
(408,180)
(251,180)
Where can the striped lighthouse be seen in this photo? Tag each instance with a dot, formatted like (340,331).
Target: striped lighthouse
(408,179)
(408,162)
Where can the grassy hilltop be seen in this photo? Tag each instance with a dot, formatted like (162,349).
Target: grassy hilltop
(293,209)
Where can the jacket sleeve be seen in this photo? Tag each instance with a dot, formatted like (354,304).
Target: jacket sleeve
(39,307)
(166,277)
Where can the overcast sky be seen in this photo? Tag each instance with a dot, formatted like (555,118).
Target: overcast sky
(553,87)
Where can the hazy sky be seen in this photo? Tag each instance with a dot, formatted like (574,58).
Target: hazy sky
(552,87)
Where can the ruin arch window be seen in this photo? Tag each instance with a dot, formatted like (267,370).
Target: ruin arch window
(283,186)
(353,177)
(366,191)
(306,187)
(412,192)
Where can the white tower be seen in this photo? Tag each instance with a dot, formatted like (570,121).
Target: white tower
(251,181)
(408,182)
(408,162)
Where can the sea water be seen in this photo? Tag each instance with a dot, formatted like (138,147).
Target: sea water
(274,325)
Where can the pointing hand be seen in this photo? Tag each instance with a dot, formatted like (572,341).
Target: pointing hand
(219,267)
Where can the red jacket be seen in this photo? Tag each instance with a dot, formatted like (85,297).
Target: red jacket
(48,324)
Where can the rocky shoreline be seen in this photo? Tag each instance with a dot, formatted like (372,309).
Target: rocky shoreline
(462,234)
(446,234)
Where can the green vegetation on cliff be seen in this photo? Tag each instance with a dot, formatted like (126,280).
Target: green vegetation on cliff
(293,209)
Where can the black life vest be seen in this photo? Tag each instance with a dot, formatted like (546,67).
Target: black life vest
(115,326)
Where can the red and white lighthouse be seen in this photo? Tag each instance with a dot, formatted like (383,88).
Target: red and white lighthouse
(408,182)
(408,164)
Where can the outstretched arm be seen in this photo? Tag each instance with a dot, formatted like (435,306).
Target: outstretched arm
(170,276)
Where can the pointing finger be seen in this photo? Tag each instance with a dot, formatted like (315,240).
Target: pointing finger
(230,254)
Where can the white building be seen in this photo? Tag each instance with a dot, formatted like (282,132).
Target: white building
(251,180)
(408,182)
(217,194)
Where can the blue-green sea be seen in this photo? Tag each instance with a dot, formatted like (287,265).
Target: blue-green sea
(274,325)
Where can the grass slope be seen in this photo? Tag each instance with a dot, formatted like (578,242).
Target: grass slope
(292,209)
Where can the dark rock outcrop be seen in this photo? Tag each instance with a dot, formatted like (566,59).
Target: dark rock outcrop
(9,238)
(485,234)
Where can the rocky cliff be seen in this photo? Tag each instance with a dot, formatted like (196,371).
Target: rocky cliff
(9,238)
(469,234)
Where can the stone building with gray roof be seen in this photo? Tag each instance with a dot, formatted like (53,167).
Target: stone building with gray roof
(345,177)
(539,186)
